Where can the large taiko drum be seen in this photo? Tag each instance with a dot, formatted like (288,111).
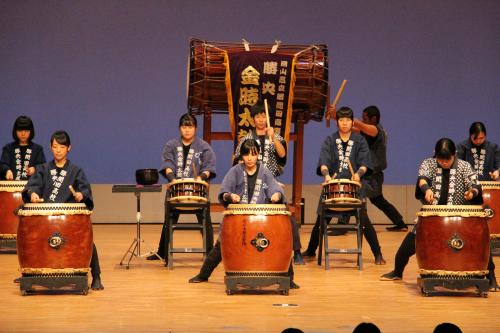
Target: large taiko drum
(187,190)
(10,199)
(341,191)
(491,198)
(54,239)
(452,241)
(256,240)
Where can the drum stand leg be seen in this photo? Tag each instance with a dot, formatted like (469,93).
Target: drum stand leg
(77,283)
(136,243)
(428,285)
(8,246)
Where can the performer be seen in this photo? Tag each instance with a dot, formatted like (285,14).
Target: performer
(249,182)
(483,155)
(336,149)
(442,180)
(272,154)
(19,158)
(186,157)
(51,184)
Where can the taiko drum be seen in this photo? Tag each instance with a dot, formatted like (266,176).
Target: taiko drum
(10,200)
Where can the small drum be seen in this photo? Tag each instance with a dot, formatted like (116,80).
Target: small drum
(491,198)
(10,199)
(341,191)
(452,242)
(54,239)
(187,190)
(256,240)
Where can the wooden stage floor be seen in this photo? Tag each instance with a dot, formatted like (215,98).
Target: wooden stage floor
(150,298)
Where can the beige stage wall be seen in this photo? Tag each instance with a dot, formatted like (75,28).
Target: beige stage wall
(121,207)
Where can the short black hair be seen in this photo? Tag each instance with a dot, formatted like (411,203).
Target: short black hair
(445,148)
(345,112)
(188,119)
(372,111)
(249,146)
(366,328)
(23,123)
(61,137)
(447,327)
(257,108)
(476,128)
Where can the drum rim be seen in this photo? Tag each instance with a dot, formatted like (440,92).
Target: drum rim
(45,209)
(186,180)
(452,210)
(12,185)
(251,209)
(489,185)
(188,198)
(340,181)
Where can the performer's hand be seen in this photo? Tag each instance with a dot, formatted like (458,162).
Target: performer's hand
(356,177)
(9,175)
(270,132)
(429,196)
(35,198)
(327,178)
(494,175)
(235,198)
(78,196)
(469,194)
(332,112)
(30,171)
(276,197)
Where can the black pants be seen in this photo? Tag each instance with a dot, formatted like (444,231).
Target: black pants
(368,232)
(378,200)
(408,249)
(213,259)
(95,268)
(295,234)
(165,237)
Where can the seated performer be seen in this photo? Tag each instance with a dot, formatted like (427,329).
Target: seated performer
(272,155)
(483,155)
(186,157)
(51,183)
(442,180)
(238,187)
(336,149)
(19,158)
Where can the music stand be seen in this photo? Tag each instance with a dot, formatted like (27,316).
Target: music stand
(135,248)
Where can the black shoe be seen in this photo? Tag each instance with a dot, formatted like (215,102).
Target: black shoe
(198,279)
(297,258)
(293,285)
(399,227)
(337,232)
(96,283)
(379,260)
(154,256)
(493,282)
(391,276)
(307,254)
(17,280)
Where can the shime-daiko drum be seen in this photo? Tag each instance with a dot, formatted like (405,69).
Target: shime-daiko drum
(491,198)
(341,191)
(453,248)
(256,243)
(10,200)
(54,245)
(187,190)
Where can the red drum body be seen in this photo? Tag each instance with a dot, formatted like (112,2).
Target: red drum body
(187,190)
(54,239)
(491,198)
(256,240)
(10,199)
(452,241)
(341,191)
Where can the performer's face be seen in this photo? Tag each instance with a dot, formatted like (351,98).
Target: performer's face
(260,121)
(59,151)
(344,125)
(187,132)
(446,163)
(23,136)
(478,140)
(250,160)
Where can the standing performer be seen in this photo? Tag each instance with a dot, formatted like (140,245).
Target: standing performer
(483,155)
(51,183)
(272,155)
(186,157)
(249,182)
(442,180)
(19,158)
(336,149)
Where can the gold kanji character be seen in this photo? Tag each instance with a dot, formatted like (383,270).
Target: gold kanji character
(241,134)
(250,76)
(280,96)
(246,118)
(284,63)
(249,96)
(281,87)
(270,67)
(268,88)
(279,105)
(283,71)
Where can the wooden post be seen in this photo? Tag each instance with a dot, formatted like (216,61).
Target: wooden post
(207,124)
(298,155)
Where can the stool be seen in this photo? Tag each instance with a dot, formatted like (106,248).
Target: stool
(328,210)
(172,209)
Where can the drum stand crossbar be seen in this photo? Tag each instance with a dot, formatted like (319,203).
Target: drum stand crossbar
(8,246)
(68,283)
(240,283)
(452,285)
(134,250)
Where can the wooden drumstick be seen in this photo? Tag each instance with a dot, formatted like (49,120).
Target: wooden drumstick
(350,166)
(267,116)
(336,100)
(72,190)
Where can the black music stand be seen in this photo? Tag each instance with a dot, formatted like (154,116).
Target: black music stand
(134,250)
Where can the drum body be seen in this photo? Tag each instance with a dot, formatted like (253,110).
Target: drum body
(54,239)
(341,191)
(491,198)
(10,199)
(256,240)
(187,190)
(452,241)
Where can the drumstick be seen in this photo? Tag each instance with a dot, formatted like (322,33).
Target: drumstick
(350,166)
(337,98)
(267,116)
(72,190)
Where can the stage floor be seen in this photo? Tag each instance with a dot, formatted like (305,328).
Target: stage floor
(150,298)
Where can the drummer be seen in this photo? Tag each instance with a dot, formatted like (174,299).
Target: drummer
(339,147)
(442,180)
(19,158)
(249,182)
(51,184)
(186,157)
(483,155)
(272,154)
